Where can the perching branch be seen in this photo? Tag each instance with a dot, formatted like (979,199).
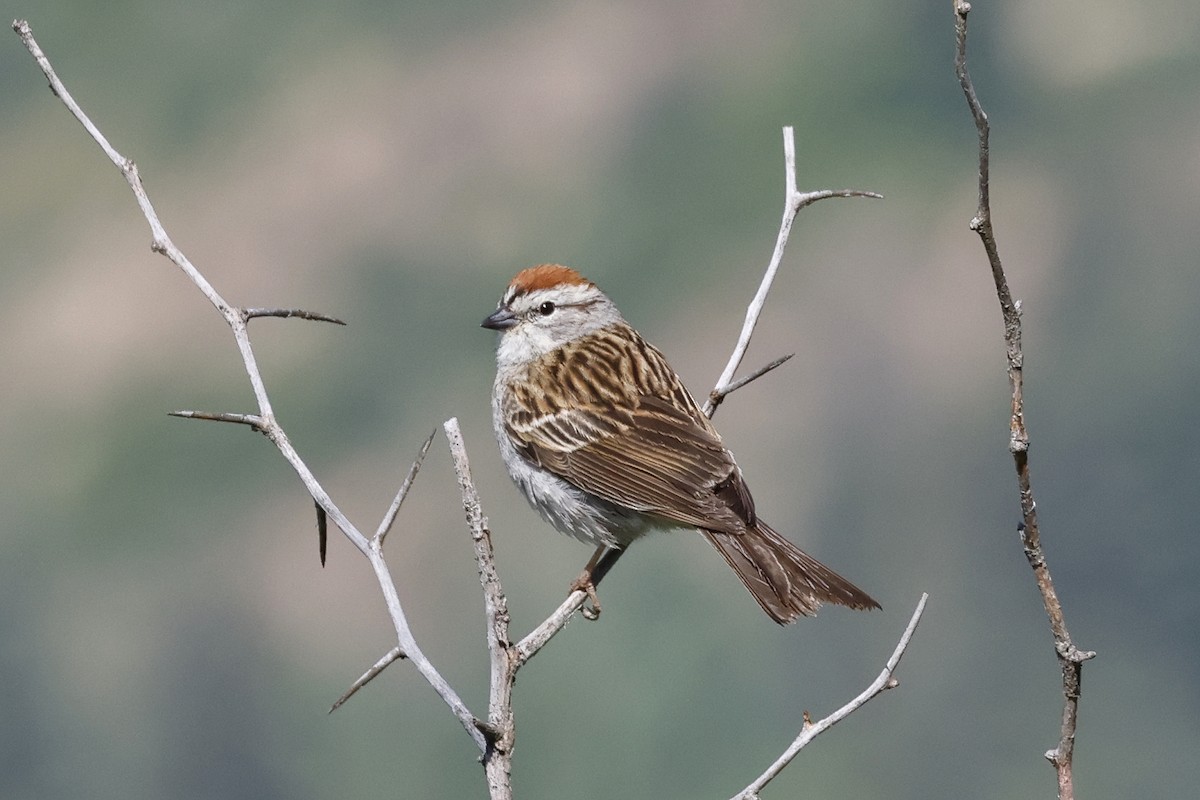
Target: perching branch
(1070,657)
(495,736)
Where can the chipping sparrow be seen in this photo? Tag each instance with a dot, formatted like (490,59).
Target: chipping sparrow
(603,439)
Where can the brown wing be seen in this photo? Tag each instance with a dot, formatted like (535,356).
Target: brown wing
(643,444)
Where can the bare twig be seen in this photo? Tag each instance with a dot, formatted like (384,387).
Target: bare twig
(499,729)
(389,518)
(536,639)
(1070,657)
(792,203)
(266,422)
(812,730)
(395,654)
(298,313)
(715,397)
(252,420)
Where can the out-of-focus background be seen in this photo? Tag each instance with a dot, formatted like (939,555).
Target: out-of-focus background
(166,630)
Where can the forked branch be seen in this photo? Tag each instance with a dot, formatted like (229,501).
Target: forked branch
(493,736)
(793,201)
(264,421)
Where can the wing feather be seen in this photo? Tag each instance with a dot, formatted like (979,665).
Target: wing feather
(649,449)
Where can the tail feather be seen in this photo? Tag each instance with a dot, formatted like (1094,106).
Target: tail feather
(786,581)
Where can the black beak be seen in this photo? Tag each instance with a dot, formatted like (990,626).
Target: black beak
(500,320)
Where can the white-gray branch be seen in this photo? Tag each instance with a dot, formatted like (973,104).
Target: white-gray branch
(810,731)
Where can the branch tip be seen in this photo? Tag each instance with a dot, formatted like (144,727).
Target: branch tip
(389,518)
(393,655)
(285,313)
(251,420)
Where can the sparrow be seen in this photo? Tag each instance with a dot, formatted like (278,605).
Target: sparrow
(600,435)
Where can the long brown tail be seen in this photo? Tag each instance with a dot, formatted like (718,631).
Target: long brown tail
(786,581)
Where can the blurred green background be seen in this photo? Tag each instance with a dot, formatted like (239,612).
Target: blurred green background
(166,629)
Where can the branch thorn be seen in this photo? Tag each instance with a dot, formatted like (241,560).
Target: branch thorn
(251,420)
(393,655)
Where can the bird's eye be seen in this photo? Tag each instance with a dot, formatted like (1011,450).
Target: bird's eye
(546,308)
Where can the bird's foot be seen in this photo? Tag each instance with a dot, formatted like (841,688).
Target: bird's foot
(584,584)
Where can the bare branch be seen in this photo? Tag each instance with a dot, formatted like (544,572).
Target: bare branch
(1070,657)
(715,398)
(500,728)
(390,517)
(298,313)
(528,647)
(812,730)
(266,422)
(793,202)
(494,737)
(161,242)
(253,420)
(393,655)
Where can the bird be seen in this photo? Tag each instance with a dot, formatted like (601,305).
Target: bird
(602,438)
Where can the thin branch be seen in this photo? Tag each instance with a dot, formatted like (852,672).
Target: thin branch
(389,518)
(499,728)
(812,730)
(253,420)
(1070,657)
(267,423)
(715,398)
(528,647)
(161,242)
(298,313)
(792,203)
(393,655)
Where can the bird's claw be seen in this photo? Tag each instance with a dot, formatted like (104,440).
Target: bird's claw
(584,584)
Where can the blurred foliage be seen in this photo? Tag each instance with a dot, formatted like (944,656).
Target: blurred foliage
(167,630)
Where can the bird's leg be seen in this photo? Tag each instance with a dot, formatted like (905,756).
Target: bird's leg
(597,567)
